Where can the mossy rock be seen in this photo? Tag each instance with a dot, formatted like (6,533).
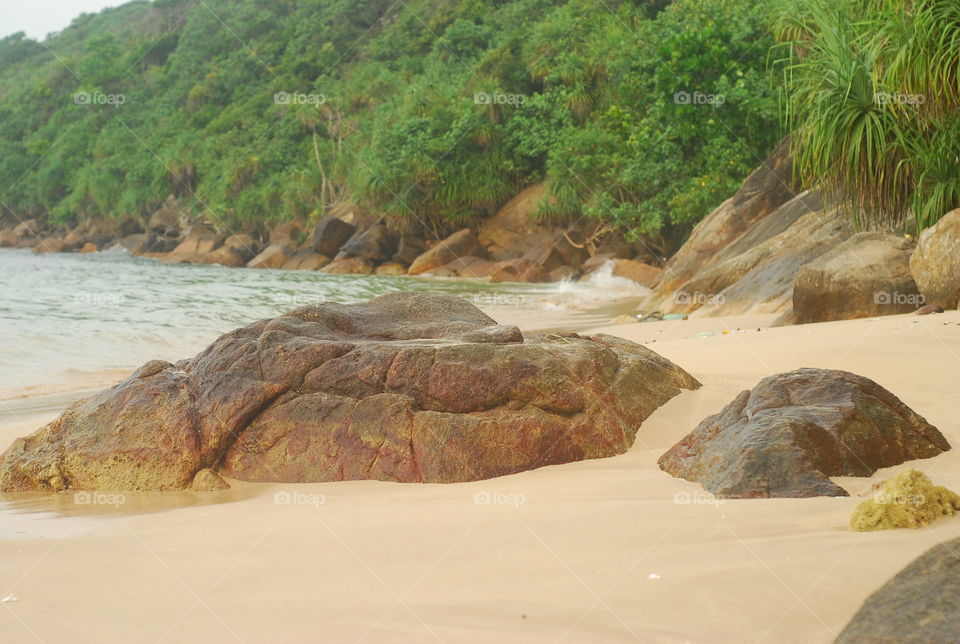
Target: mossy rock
(908,500)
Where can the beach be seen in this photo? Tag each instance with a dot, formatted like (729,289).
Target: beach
(604,550)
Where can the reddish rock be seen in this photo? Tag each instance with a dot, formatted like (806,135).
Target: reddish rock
(929,308)
(637,271)
(329,235)
(8,238)
(470,267)
(519,270)
(349,266)
(408,387)
(391,268)
(273,256)
(515,222)
(460,244)
(290,234)
(49,245)
(224,256)
(794,430)
(306,260)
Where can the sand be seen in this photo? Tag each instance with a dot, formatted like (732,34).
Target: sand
(607,550)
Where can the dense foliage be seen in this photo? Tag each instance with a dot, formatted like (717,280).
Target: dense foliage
(873,92)
(643,113)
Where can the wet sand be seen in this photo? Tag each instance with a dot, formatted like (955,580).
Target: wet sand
(608,550)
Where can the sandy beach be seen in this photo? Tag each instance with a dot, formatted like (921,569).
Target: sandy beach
(609,550)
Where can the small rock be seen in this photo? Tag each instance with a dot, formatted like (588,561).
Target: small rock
(929,308)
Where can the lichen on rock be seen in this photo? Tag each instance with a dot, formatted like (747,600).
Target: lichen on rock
(908,500)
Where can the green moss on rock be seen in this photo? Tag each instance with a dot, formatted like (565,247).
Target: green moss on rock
(908,500)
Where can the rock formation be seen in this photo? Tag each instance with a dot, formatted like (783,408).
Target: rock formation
(407,387)
(791,432)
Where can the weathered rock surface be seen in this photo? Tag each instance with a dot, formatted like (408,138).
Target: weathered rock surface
(306,260)
(515,222)
(766,189)
(867,275)
(936,262)
(791,432)
(329,235)
(920,605)
(407,387)
(908,500)
(376,244)
(462,243)
(761,279)
(273,256)
(349,266)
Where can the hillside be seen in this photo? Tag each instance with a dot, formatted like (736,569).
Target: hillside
(431,113)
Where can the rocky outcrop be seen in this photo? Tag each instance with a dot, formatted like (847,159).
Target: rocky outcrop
(408,387)
(908,500)
(329,235)
(349,266)
(794,430)
(462,243)
(765,190)
(515,222)
(865,276)
(921,604)
(760,279)
(376,244)
(273,256)
(306,260)
(936,262)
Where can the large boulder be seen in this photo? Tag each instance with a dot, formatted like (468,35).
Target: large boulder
(349,266)
(760,279)
(462,243)
(867,275)
(936,262)
(470,267)
(376,244)
(766,189)
(50,245)
(289,233)
(8,238)
(306,260)
(794,430)
(166,220)
(514,223)
(273,256)
(329,235)
(409,248)
(407,387)
(920,604)
(198,242)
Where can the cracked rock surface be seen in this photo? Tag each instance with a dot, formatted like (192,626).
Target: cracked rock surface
(407,387)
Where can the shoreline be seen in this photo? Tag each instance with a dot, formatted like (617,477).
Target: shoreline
(591,550)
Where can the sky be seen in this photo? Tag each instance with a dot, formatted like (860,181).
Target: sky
(39,17)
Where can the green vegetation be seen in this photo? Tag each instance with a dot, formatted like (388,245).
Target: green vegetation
(872,91)
(432,112)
